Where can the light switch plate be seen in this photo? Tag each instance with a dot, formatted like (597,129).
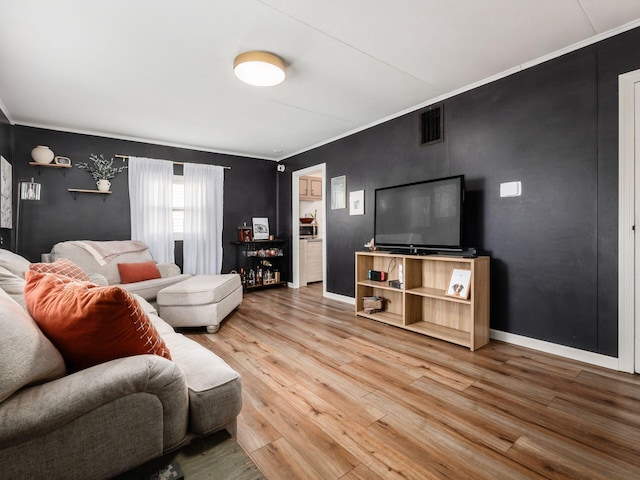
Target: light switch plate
(511,189)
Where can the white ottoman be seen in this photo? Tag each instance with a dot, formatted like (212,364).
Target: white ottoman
(200,301)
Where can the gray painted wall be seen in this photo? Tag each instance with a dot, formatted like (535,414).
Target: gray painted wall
(554,249)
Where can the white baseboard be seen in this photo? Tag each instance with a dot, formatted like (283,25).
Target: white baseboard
(340,298)
(555,349)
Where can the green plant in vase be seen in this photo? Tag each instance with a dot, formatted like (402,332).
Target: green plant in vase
(102,170)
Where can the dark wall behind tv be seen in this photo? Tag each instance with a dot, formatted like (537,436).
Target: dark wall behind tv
(249,191)
(554,249)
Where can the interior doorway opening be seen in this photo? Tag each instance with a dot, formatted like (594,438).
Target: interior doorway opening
(308,252)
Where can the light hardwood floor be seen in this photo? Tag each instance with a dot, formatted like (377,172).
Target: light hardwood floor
(328,395)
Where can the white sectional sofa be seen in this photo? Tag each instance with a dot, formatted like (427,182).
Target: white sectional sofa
(106,419)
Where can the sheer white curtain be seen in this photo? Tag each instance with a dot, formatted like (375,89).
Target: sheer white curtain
(203,197)
(150,194)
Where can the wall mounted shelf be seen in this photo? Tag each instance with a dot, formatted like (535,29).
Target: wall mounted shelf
(40,166)
(75,191)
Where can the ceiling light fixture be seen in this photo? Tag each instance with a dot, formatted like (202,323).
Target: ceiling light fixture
(261,69)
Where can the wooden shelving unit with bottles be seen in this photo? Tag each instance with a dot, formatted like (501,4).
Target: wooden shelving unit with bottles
(421,305)
(267,256)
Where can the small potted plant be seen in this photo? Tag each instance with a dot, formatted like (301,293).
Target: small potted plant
(101,170)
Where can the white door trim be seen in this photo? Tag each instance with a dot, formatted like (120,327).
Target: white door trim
(295,221)
(626,221)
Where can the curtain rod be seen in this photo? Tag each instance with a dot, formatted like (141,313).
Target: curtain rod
(126,157)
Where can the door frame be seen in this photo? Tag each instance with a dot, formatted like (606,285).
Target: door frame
(295,221)
(627,313)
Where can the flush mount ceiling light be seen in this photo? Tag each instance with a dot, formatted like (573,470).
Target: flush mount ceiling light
(261,69)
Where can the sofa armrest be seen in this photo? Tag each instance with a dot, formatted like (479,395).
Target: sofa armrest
(42,408)
(168,269)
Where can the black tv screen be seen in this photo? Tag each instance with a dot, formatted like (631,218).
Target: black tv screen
(424,215)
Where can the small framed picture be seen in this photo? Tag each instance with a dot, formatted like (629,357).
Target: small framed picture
(339,192)
(260,228)
(62,161)
(356,202)
(459,284)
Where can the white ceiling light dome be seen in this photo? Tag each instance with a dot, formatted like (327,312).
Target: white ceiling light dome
(261,69)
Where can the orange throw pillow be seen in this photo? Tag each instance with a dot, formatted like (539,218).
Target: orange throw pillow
(137,272)
(61,266)
(90,324)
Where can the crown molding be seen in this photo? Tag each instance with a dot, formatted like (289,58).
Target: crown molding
(140,140)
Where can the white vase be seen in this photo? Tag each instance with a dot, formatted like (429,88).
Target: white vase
(103,185)
(42,154)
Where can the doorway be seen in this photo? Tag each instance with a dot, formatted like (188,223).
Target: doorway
(628,205)
(302,206)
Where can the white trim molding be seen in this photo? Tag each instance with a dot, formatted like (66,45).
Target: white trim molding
(626,220)
(340,298)
(555,349)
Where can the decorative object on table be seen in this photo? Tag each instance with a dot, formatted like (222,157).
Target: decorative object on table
(42,154)
(306,220)
(260,228)
(26,191)
(6,194)
(58,160)
(244,233)
(356,202)
(339,192)
(371,245)
(101,170)
(459,284)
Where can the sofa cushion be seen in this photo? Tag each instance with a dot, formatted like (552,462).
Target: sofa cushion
(13,285)
(149,289)
(138,272)
(26,355)
(14,263)
(90,324)
(211,382)
(61,266)
(200,290)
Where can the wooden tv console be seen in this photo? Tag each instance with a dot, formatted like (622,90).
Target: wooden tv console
(421,304)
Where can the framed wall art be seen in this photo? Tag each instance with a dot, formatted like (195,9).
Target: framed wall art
(339,192)
(5,193)
(356,202)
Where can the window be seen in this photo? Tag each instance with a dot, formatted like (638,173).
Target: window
(178,207)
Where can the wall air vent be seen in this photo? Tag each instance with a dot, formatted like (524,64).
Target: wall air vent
(432,125)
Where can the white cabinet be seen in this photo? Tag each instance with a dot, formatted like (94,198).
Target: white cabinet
(310,261)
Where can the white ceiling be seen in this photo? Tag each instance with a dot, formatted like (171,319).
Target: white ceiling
(161,70)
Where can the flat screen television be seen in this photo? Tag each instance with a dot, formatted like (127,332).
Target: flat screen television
(421,216)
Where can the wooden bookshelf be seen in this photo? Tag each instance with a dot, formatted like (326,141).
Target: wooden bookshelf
(421,305)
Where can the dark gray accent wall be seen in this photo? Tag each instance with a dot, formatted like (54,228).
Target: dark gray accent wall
(249,191)
(554,127)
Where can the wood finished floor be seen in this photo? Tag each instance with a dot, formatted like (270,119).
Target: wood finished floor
(328,395)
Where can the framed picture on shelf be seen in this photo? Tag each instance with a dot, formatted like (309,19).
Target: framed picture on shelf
(459,284)
(260,228)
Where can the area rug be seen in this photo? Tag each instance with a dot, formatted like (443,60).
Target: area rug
(217,456)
